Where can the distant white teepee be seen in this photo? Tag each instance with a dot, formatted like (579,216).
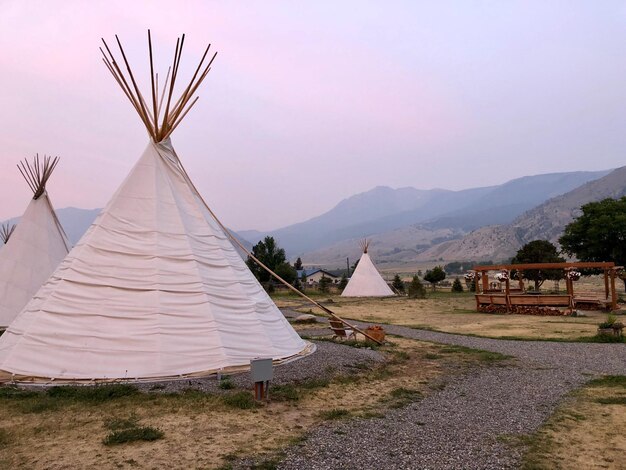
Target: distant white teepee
(154,289)
(366,281)
(34,248)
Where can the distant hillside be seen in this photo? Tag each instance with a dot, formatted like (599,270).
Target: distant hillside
(545,221)
(384,209)
(409,224)
(408,236)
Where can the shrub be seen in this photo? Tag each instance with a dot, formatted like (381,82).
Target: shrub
(226,383)
(324,284)
(144,433)
(457,286)
(397,283)
(241,400)
(417,289)
(116,424)
(610,321)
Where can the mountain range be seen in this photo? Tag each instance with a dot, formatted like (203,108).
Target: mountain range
(408,224)
(405,222)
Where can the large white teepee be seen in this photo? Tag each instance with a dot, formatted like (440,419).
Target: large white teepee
(154,289)
(34,248)
(366,281)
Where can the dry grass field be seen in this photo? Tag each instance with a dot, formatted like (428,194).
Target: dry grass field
(207,430)
(587,431)
(454,313)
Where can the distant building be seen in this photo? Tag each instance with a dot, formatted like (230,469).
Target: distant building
(313,276)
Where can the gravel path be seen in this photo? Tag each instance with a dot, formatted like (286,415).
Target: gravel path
(330,360)
(465,425)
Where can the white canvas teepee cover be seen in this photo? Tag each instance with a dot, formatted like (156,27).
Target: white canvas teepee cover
(366,281)
(153,289)
(34,250)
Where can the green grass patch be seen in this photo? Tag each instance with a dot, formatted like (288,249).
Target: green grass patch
(5,438)
(267,464)
(242,400)
(93,394)
(226,383)
(285,393)
(347,342)
(432,356)
(603,339)
(611,401)
(314,383)
(400,397)
(335,413)
(401,355)
(123,436)
(482,355)
(403,393)
(609,381)
(116,424)
(294,392)
(11,392)
(38,406)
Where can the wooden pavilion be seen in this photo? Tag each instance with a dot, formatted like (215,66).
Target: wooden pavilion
(516,300)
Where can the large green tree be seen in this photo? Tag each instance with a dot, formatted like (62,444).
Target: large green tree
(269,253)
(539,251)
(435,275)
(599,233)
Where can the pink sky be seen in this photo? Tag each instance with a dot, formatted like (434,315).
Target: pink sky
(311,102)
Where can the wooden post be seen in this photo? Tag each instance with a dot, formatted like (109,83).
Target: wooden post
(507,294)
(485,276)
(606,284)
(613,291)
(569,286)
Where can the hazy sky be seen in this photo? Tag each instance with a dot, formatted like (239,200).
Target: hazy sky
(309,102)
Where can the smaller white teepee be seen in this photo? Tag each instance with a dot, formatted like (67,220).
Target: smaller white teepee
(366,281)
(34,248)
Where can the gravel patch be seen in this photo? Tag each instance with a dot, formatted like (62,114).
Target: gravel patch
(471,423)
(590,358)
(464,426)
(330,360)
